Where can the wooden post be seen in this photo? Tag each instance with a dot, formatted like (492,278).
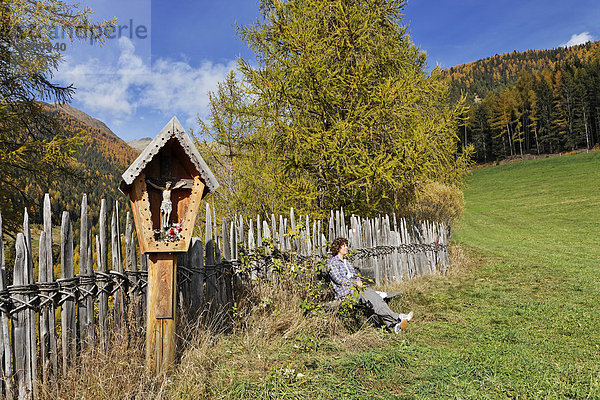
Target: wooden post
(195,261)
(160,322)
(49,278)
(131,262)
(117,265)
(19,324)
(43,322)
(102,255)
(5,348)
(67,313)
(82,308)
(144,268)
(31,331)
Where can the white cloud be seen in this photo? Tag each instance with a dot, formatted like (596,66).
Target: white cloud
(118,92)
(576,39)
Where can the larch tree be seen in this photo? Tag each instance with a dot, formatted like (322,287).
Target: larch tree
(236,147)
(352,113)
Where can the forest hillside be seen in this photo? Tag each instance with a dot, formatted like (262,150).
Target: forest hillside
(102,160)
(532,102)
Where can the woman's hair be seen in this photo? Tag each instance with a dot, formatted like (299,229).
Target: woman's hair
(337,243)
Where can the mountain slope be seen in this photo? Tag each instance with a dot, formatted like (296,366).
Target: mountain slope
(101,161)
(482,76)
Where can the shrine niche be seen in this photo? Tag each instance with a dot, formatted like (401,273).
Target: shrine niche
(165,185)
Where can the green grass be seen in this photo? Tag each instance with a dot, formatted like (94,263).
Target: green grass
(525,324)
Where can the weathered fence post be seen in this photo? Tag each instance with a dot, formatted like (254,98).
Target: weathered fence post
(21,339)
(195,262)
(49,279)
(84,274)
(117,268)
(131,262)
(29,297)
(67,285)
(102,275)
(210,267)
(5,348)
(43,321)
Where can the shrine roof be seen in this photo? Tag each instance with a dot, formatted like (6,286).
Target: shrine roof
(172,129)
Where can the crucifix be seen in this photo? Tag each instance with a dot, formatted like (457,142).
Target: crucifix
(166,206)
(166,182)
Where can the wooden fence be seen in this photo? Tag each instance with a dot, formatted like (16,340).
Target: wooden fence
(98,299)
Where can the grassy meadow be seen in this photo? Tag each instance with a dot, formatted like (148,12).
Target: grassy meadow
(516,317)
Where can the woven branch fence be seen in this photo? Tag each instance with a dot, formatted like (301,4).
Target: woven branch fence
(97,299)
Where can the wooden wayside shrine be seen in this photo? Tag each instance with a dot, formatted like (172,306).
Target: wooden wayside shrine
(165,185)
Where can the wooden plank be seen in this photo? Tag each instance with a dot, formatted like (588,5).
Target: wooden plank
(196,263)
(117,265)
(446,242)
(233,244)
(241,237)
(67,314)
(391,258)
(294,241)
(220,298)
(19,324)
(343,222)
(226,241)
(31,325)
(182,281)
(236,282)
(144,259)
(315,240)
(131,265)
(308,244)
(259,236)
(403,257)
(227,294)
(160,334)
(5,347)
(377,260)
(274,229)
(429,266)
(91,299)
(53,347)
(43,320)
(287,242)
(83,264)
(102,254)
(210,274)
(165,275)
(331,234)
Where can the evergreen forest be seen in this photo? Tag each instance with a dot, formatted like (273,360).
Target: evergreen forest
(533,102)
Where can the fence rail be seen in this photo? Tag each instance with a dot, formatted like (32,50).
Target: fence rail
(94,297)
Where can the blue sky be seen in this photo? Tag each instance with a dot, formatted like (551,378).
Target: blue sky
(166,56)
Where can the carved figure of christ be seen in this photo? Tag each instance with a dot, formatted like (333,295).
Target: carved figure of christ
(166,206)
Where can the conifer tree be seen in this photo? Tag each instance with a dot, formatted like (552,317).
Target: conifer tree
(354,116)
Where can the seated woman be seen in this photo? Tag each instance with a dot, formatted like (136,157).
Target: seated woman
(346,282)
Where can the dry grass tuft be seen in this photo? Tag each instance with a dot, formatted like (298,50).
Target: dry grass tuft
(115,373)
